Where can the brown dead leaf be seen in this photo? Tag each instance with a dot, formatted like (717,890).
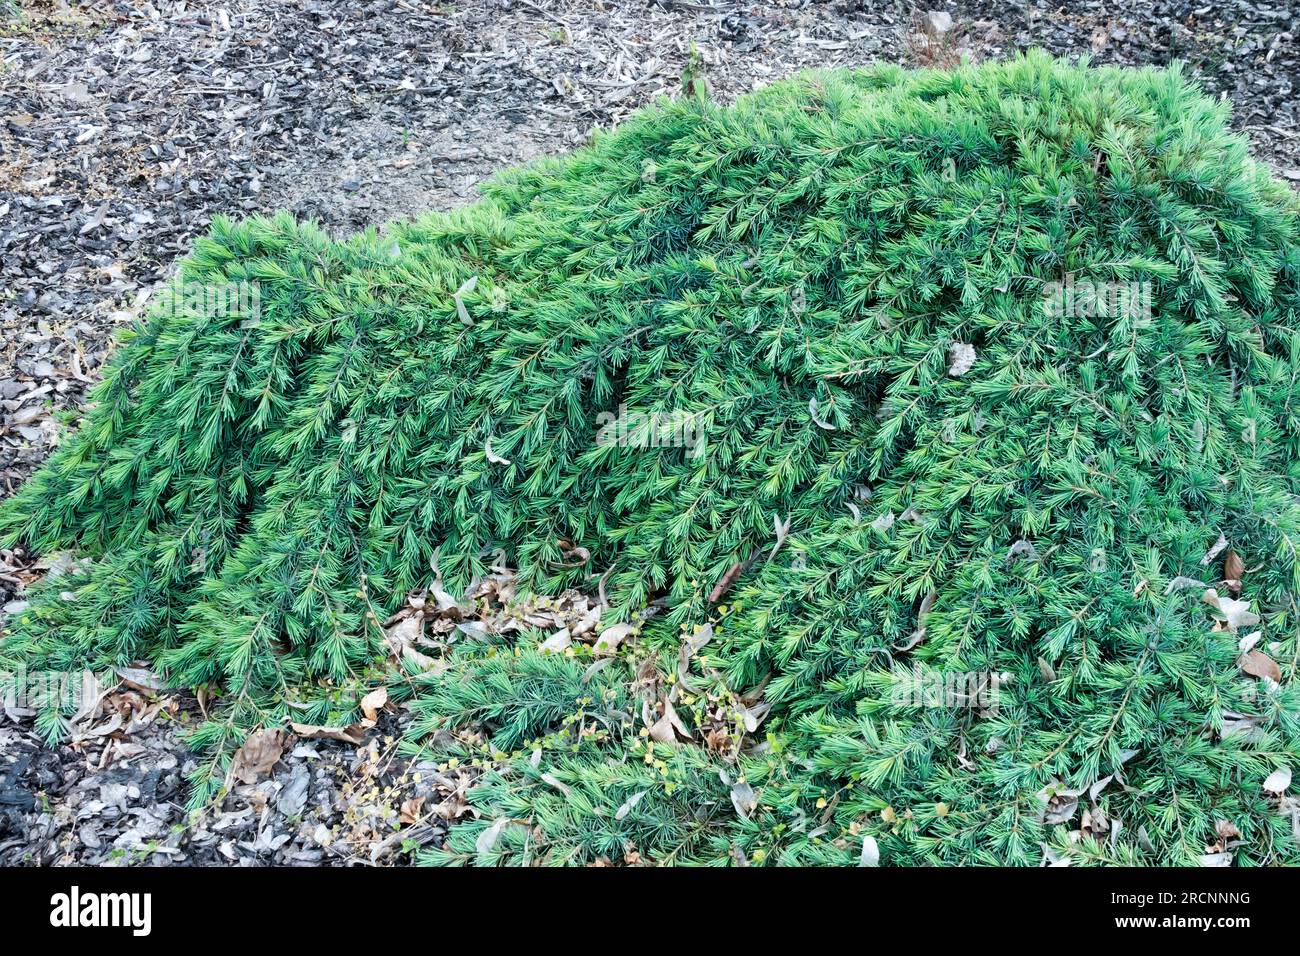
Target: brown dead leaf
(551,780)
(259,754)
(728,579)
(404,633)
(1259,664)
(349,735)
(1233,569)
(411,810)
(374,702)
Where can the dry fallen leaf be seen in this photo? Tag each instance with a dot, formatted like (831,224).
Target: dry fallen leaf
(816,417)
(1227,829)
(463,313)
(782,528)
(1235,614)
(1233,569)
(870,852)
(488,838)
(141,678)
(1045,669)
(1215,550)
(666,729)
(927,604)
(374,702)
(1259,664)
(725,583)
(411,810)
(743,798)
(348,735)
(259,754)
(405,633)
(1278,780)
(551,780)
(557,643)
(629,804)
(611,637)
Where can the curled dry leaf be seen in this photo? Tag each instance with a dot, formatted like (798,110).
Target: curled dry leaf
(662,731)
(1233,569)
(1095,790)
(754,716)
(1182,583)
(444,599)
(782,528)
(728,579)
(488,838)
(141,679)
(817,419)
(611,638)
(551,780)
(743,798)
(1022,549)
(595,668)
(465,289)
(1059,804)
(587,622)
(1215,550)
(1278,780)
(927,604)
(557,643)
(1227,830)
(402,637)
(667,727)
(698,639)
(374,702)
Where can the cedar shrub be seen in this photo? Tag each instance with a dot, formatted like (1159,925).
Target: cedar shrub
(911,465)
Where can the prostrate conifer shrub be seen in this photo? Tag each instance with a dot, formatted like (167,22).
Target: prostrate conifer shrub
(949,420)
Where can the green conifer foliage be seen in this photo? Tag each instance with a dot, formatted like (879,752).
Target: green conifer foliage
(866,298)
